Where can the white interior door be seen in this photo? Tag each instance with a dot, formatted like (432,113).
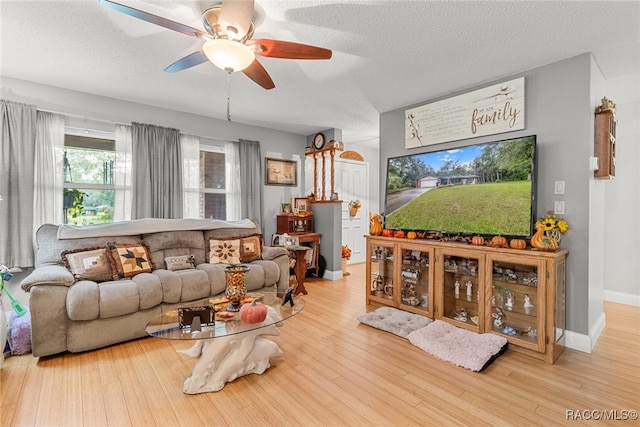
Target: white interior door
(353,184)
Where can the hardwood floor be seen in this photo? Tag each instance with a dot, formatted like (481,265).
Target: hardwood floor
(334,372)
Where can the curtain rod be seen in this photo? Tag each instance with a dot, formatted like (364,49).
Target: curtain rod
(77,116)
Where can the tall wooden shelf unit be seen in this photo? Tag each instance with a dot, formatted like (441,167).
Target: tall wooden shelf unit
(519,294)
(605,140)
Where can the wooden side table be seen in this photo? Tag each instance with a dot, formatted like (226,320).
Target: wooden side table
(300,267)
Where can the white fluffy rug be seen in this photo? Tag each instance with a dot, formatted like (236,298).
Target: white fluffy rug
(459,346)
(396,321)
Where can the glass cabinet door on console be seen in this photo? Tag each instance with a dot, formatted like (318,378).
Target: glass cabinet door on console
(516,308)
(380,272)
(416,289)
(460,289)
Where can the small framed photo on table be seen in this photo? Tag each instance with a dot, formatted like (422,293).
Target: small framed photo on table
(286,208)
(301,204)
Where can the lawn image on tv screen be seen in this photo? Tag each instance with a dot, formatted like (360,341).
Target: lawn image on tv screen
(478,189)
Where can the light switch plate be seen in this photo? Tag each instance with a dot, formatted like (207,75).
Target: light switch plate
(558,207)
(559,187)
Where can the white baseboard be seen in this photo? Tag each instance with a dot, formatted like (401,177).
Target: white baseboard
(333,275)
(586,343)
(622,298)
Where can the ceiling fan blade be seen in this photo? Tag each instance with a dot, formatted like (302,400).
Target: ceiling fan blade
(154,19)
(196,58)
(236,17)
(258,74)
(288,50)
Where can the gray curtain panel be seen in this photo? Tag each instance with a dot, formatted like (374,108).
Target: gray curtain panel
(250,179)
(157,172)
(18,122)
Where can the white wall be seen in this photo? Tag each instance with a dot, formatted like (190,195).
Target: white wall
(622,196)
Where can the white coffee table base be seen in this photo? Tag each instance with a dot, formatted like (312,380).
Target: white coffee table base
(221,360)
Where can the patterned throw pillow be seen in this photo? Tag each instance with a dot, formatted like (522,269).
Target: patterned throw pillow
(224,251)
(88,264)
(250,248)
(181,262)
(127,260)
(235,251)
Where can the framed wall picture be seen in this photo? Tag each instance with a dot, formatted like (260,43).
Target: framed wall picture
(301,204)
(281,172)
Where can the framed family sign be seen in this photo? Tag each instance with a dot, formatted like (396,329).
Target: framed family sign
(488,111)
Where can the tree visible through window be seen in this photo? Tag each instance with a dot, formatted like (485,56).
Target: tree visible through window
(89,191)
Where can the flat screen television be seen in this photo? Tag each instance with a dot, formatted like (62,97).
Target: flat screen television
(485,189)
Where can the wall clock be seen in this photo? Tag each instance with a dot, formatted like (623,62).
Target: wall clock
(318,141)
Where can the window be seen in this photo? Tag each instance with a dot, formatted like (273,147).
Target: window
(89,190)
(205,185)
(213,198)
(213,183)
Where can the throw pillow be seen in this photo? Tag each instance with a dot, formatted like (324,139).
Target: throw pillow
(250,248)
(88,264)
(127,260)
(224,251)
(182,262)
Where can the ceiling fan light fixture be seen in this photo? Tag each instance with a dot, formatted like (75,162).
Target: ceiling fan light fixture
(228,55)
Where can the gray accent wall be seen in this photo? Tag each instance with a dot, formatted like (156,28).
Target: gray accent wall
(327,220)
(79,105)
(559,110)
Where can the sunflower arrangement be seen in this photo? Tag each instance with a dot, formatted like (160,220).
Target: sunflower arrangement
(552,222)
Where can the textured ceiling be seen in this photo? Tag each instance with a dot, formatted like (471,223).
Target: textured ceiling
(386,54)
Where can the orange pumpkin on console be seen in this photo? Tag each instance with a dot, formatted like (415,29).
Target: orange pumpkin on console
(387,232)
(498,242)
(518,244)
(477,240)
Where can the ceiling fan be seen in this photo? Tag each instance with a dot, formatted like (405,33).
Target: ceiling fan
(228,42)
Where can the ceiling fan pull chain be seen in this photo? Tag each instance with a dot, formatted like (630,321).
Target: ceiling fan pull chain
(228,96)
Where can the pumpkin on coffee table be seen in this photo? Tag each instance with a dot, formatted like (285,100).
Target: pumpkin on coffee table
(254,312)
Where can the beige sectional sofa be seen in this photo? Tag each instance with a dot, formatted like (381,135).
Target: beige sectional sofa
(79,312)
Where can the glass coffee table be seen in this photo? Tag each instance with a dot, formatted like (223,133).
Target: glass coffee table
(226,348)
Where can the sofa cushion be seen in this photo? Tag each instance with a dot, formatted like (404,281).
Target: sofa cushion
(50,247)
(260,274)
(88,300)
(127,260)
(232,233)
(175,243)
(216,276)
(183,285)
(89,264)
